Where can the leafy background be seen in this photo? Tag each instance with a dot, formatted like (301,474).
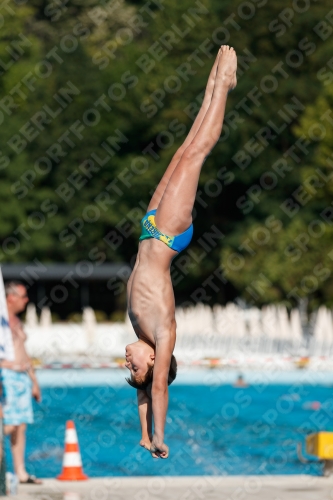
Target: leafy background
(264,255)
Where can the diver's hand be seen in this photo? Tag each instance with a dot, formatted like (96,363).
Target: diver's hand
(146,443)
(158,449)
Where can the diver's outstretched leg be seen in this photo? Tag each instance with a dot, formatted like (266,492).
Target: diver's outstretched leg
(174,212)
(156,198)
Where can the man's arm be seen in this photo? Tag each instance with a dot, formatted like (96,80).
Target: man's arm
(31,372)
(145,415)
(35,386)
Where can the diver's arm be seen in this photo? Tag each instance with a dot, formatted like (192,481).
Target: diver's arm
(160,408)
(160,395)
(145,415)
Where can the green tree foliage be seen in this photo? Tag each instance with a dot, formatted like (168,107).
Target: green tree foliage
(98,97)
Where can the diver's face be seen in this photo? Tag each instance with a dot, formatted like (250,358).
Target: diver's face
(138,355)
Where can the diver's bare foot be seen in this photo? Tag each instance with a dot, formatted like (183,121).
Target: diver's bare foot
(227,67)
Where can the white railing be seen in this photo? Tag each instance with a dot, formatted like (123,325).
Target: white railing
(202,331)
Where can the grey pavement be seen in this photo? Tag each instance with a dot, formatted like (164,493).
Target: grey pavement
(302,487)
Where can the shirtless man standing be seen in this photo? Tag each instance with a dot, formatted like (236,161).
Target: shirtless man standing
(19,382)
(151,301)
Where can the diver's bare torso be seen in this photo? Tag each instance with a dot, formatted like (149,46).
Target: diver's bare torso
(151,301)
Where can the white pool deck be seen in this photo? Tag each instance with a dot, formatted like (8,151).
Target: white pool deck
(301,487)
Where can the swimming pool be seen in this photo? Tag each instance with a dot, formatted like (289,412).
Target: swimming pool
(214,429)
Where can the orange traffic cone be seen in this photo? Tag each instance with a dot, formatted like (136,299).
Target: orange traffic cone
(72,463)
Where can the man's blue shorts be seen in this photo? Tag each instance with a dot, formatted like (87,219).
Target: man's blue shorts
(17,407)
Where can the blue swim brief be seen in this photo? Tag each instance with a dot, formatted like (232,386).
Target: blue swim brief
(149,230)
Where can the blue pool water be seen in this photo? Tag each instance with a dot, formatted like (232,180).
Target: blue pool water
(210,430)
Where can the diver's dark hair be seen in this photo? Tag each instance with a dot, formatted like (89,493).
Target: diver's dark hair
(148,378)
